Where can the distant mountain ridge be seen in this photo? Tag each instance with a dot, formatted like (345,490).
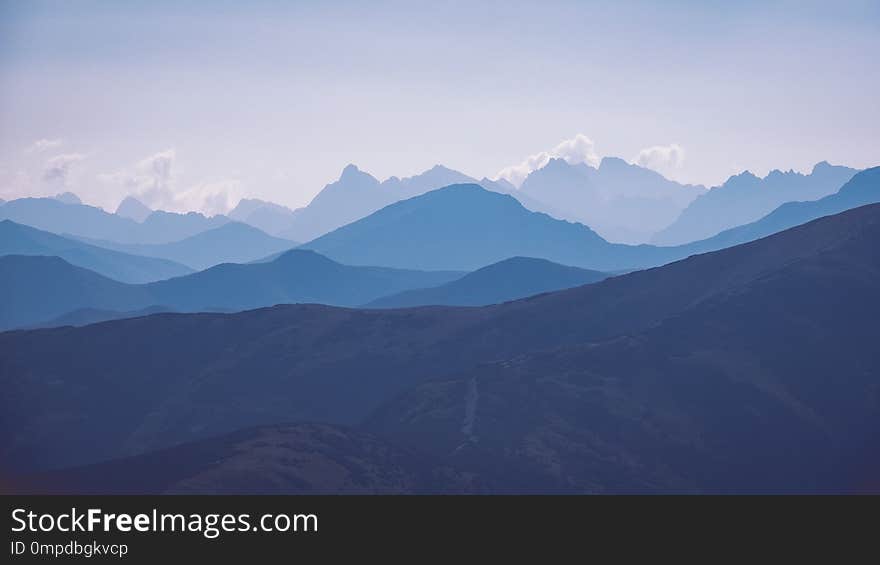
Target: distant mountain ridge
(745,198)
(621,201)
(232,242)
(511,279)
(357,194)
(91,222)
(862,189)
(17,239)
(37,290)
(465,227)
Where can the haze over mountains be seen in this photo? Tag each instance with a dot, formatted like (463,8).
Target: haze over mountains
(232,242)
(81,220)
(35,290)
(696,376)
(622,202)
(16,239)
(506,280)
(465,227)
(745,198)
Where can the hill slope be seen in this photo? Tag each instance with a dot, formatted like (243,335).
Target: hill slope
(767,356)
(745,198)
(466,227)
(81,220)
(38,290)
(506,280)
(233,242)
(17,239)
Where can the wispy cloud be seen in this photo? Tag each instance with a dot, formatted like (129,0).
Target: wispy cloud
(42,145)
(153,181)
(579,149)
(661,158)
(57,169)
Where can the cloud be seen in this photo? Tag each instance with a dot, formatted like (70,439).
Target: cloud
(153,182)
(43,145)
(579,149)
(58,168)
(661,158)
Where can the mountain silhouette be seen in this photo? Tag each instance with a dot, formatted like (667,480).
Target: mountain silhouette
(697,376)
(622,202)
(86,316)
(90,222)
(466,227)
(134,209)
(863,188)
(68,198)
(233,242)
(16,239)
(270,217)
(506,280)
(357,194)
(745,198)
(37,290)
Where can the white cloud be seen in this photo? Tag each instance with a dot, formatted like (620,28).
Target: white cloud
(153,182)
(662,158)
(579,149)
(57,169)
(43,145)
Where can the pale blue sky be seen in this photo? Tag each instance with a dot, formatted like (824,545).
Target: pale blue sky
(272,99)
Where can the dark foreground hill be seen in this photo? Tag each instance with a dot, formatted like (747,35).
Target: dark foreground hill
(748,369)
(280,459)
(506,280)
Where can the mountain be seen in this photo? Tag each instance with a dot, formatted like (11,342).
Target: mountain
(862,189)
(506,280)
(232,242)
(38,290)
(279,459)
(699,375)
(466,227)
(90,222)
(621,201)
(297,276)
(68,198)
(16,239)
(745,198)
(134,209)
(270,217)
(86,316)
(357,194)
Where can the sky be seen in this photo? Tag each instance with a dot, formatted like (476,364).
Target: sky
(193,105)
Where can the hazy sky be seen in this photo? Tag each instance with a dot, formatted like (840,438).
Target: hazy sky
(194,104)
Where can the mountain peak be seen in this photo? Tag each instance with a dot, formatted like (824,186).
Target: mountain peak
(68,198)
(131,207)
(350,170)
(615,162)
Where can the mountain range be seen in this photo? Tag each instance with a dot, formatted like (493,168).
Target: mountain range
(465,227)
(35,290)
(745,198)
(622,202)
(53,215)
(16,239)
(697,376)
(232,242)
